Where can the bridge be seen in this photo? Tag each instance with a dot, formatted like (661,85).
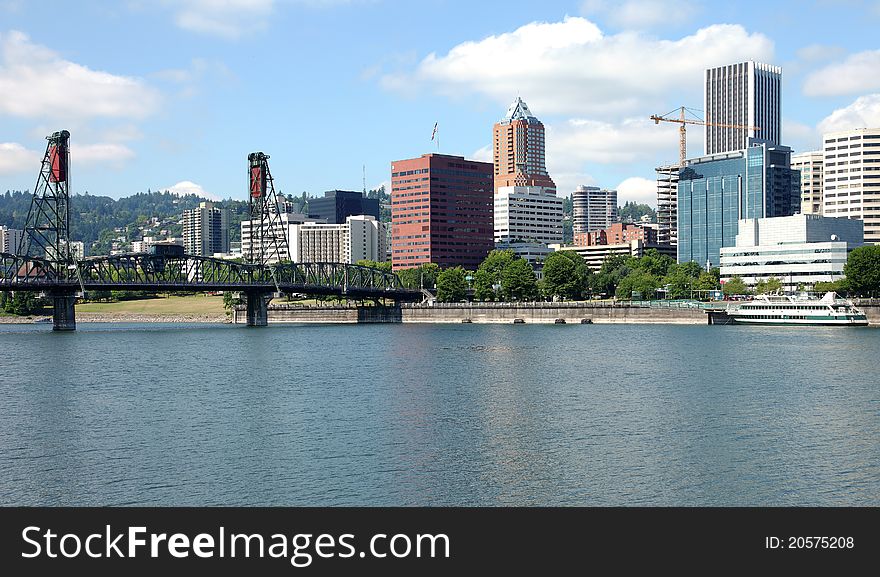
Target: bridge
(44,262)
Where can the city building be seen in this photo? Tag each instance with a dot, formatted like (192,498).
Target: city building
(743,94)
(206,230)
(361,237)
(278,229)
(441,211)
(593,208)
(851,162)
(667,204)
(337,205)
(618,233)
(527,214)
(799,250)
(518,150)
(595,255)
(10,238)
(809,179)
(715,192)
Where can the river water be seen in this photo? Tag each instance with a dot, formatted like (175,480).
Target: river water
(475,414)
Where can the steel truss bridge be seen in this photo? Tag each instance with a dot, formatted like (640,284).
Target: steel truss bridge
(45,263)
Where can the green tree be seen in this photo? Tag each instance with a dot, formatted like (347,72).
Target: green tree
(518,281)
(654,263)
(383,266)
(681,280)
(838,286)
(769,286)
(560,276)
(23,303)
(422,276)
(489,274)
(637,281)
(862,270)
(452,285)
(735,286)
(709,280)
(566,275)
(615,268)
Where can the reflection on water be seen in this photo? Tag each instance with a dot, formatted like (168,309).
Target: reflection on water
(439,415)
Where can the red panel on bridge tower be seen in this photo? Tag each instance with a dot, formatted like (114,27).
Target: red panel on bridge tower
(258,182)
(58,160)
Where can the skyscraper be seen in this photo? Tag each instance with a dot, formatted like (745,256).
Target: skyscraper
(716,192)
(518,150)
(851,161)
(744,94)
(441,211)
(593,208)
(337,205)
(10,238)
(206,230)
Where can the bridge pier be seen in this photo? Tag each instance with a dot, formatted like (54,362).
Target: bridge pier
(63,311)
(257,308)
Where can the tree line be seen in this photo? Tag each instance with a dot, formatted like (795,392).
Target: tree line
(503,276)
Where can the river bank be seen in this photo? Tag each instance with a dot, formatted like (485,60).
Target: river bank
(122,318)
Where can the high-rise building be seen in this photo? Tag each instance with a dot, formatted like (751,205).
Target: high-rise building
(337,205)
(593,208)
(851,160)
(206,230)
(667,204)
(743,94)
(441,211)
(518,149)
(527,214)
(359,238)
(10,238)
(808,167)
(716,192)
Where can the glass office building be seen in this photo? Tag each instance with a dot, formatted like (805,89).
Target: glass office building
(716,191)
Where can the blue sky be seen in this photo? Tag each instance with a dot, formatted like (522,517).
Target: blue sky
(174,95)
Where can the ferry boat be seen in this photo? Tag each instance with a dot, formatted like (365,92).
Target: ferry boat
(799,310)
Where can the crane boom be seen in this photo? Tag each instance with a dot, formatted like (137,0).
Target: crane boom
(682,121)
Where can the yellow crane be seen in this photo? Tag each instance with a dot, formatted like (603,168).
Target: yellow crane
(683,121)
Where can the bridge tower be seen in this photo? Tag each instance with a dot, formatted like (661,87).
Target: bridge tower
(268,240)
(47,228)
(268,232)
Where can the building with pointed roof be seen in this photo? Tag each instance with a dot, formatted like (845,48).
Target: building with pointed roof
(518,149)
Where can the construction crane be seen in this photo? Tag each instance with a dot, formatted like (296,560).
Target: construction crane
(683,121)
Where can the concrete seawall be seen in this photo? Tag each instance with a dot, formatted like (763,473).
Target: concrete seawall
(506,313)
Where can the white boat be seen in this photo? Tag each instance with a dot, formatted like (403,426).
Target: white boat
(830,310)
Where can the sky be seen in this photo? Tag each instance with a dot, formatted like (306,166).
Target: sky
(173,95)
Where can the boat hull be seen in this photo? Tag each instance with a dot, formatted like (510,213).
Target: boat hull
(846,322)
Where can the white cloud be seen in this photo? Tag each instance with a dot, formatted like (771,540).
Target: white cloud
(229,19)
(819,52)
(859,73)
(114,154)
(641,14)
(863,113)
(571,67)
(637,189)
(483,154)
(16,159)
(801,137)
(188,187)
(36,82)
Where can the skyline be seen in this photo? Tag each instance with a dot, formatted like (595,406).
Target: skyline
(157,96)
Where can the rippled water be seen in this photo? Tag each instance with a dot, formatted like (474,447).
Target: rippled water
(439,415)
